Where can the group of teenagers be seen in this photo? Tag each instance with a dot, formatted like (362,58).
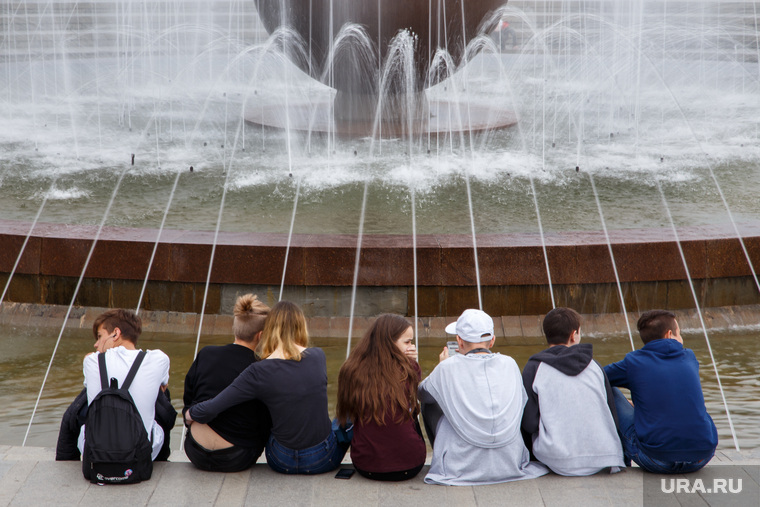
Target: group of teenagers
(487,421)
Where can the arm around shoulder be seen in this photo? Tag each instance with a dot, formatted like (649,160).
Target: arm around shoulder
(242,389)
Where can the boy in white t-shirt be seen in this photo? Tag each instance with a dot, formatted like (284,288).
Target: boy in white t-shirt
(117,331)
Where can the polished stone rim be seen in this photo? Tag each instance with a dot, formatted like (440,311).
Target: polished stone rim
(513,272)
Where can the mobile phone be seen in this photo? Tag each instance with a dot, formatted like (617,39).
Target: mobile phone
(453,348)
(345,473)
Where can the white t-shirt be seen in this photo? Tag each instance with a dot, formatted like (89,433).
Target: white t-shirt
(153,373)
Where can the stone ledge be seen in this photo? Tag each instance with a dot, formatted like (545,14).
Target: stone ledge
(525,329)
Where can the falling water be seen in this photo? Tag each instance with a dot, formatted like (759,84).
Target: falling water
(359,237)
(290,237)
(156,243)
(612,259)
(26,241)
(699,313)
(73,298)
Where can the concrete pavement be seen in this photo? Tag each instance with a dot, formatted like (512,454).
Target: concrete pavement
(29,476)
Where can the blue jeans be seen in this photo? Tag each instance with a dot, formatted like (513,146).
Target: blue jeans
(318,459)
(632,447)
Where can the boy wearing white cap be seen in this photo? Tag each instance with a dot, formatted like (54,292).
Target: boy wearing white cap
(472,404)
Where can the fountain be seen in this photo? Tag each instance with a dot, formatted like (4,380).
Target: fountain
(138,169)
(623,181)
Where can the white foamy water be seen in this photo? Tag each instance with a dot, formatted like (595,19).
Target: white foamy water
(58,194)
(634,96)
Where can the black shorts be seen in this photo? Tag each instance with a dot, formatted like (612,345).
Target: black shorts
(230,459)
(401,475)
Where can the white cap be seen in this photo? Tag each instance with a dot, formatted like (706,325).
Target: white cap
(471,326)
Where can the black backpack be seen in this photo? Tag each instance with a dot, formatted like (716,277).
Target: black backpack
(116,446)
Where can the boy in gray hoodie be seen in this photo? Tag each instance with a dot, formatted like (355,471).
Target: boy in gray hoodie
(570,417)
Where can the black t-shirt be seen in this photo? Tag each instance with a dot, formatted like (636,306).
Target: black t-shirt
(294,391)
(246,424)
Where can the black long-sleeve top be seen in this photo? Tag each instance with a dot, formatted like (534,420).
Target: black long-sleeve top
(246,424)
(295,392)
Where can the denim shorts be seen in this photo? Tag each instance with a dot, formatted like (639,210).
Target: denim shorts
(318,459)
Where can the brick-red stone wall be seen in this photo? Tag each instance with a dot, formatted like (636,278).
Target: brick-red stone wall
(513,272)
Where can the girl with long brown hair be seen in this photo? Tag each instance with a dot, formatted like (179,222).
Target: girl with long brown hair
(377,390)
(291,381)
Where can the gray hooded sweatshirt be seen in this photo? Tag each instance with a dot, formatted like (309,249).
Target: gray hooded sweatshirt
(570,414)
(477,438)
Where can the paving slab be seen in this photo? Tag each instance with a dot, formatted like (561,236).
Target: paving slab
(126,496)
(271,488)
(50,483)
(235,488)
(13,475)
(517,493)
(600,489)
(183,484)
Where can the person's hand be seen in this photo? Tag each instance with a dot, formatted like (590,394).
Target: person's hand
(443,355)
(411,352)
(106,343)
(188,418)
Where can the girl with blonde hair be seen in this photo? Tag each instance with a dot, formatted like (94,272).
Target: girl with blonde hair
(291,381)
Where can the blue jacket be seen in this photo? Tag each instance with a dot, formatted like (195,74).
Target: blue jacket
(672,423)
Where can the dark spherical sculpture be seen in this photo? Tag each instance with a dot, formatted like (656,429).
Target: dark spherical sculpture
(437,24)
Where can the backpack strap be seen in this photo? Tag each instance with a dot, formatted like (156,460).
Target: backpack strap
(103,370)
(133,370)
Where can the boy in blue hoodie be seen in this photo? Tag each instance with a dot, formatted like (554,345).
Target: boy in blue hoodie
(668,429)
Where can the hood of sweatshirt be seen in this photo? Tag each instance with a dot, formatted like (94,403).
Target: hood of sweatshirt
(569,360)
(664,347)
(482,396)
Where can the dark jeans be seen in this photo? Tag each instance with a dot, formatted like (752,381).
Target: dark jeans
(632,448)
(231,459)
(431,416)
(318,459)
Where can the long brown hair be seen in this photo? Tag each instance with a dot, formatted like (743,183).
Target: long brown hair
(284,326)
(377,376)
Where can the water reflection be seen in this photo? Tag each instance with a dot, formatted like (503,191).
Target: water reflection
(25,353)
